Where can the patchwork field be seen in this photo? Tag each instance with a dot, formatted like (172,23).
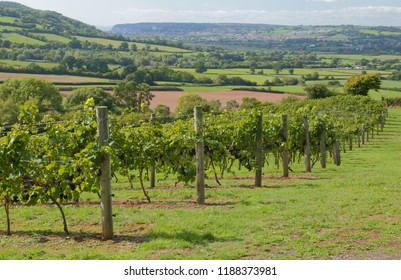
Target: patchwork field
(53,78)
(170,98)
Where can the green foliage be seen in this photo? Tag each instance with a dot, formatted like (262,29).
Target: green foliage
(395,76)
(200,66)
(317,91)
(395,101)
(232,105)
(77,99)
(40,92)
(55,163)
(162,110)
(250,102)
(131,95)
(223,79)
(9,111)
(187,102)
(360,85)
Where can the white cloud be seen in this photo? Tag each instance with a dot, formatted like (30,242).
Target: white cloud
(369,15)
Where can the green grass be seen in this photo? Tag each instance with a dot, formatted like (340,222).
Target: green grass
(117,43)
(54,37)
(22,64)
(17,38)
(9,28)
(7,19)
(346,212)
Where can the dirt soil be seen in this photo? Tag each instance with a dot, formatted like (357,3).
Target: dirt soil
(170,98)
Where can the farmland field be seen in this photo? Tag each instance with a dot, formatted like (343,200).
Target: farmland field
(21,64)
(55,78)
(170,98)
(344,212)
(10,28)
(53,37)
(7,19)
(116,44)
(17,38)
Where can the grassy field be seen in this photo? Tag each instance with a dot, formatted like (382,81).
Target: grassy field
(9,28)
(17,38)
(22,64)
(117,43)
(65,79)
(7,19)
(54,37)
(347,212)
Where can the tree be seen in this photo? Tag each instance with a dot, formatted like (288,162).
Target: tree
(187,102)
(9,112)
(360,85)
(40,92)
(134,47)
(141,75)
(277,68)
(250,102)
(69,61)
(162,110)
(317,91)
(215,105)
(232,105)
(78,97)
(200,66)
(132,95)
(75,44)
(124,47)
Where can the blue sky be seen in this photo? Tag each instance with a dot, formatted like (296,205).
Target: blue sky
(287,12)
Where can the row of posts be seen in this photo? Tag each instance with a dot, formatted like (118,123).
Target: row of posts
(105,174)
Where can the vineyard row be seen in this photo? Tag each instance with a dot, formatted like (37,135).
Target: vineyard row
(59,161)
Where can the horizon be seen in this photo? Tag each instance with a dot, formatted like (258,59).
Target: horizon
(285,13)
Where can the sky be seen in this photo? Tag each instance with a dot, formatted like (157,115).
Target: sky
(282,12)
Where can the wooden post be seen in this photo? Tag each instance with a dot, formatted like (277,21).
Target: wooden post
(350,143)
(259,152)
(153,164)
(336,153)
(105,174)
(307,146)
(285,150)
(363,134)
(322,143)
(200,163)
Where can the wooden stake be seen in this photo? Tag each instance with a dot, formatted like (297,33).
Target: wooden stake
(105,174)
(308,168)
(153,165)
(200,162)
(285,151)
(322,143)
(259,152)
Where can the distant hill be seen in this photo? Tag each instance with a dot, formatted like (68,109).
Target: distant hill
(15,17)
(344,38)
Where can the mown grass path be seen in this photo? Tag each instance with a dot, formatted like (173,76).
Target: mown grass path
(347,212)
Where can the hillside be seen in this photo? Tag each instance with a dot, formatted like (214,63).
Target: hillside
(18,18)
(46,42)
(340,39)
